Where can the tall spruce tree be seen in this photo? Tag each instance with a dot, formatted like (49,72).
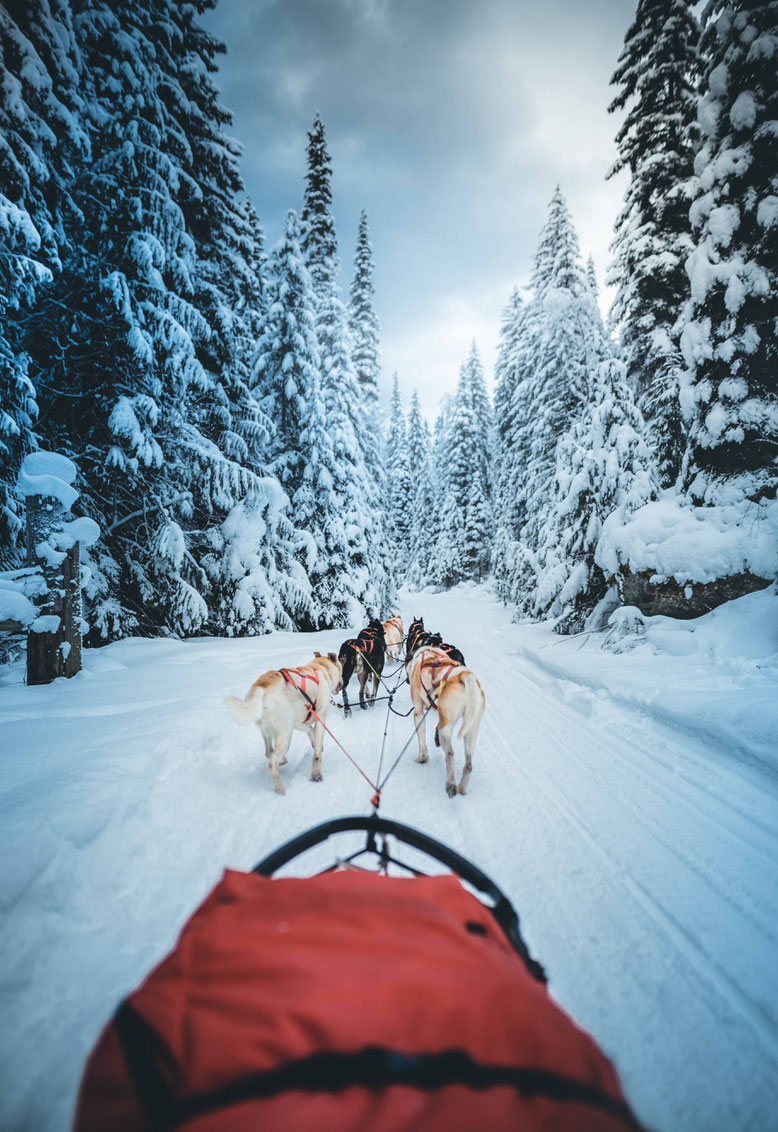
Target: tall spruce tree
(505,379)
(562,327)
(730,339)
(229,450)
(345,416)
(41,140)
(656,80)
(602,465)
(287,361)
(363,321)
(365,354)
(398,482)
(451,564)
(319,240)
(126,295)
(482,420)
(420,546)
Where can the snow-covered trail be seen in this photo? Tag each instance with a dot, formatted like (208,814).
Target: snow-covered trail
(643,865)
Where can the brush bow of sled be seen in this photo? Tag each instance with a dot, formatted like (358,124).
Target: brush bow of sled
(370,994)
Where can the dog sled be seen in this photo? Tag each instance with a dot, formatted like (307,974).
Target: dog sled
(366,994)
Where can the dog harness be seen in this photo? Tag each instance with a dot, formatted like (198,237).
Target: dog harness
(287,674)
(437,681)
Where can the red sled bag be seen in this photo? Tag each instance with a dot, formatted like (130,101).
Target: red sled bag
(349,1000)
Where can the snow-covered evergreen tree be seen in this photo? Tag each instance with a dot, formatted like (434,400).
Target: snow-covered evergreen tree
(482,420)
(563,331)
(365,354)
(730,393)
(602,465)
(319,240)
(132,386)
(656,79)
(464,539)
(286,367)
(421,547)
(355,494)
(41,137)
(451,564)
(363,321)
(350,425)
(399,495)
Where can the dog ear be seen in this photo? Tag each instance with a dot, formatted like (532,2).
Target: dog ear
(316,652)
(333,656)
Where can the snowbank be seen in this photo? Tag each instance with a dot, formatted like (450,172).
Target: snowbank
(17,587)
(670,539)
(715,676)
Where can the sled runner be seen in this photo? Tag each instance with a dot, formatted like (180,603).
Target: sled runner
(348,1000)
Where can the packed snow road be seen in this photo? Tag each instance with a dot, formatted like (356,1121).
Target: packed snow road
(642,861)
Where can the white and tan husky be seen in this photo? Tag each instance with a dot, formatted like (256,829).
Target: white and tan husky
(276,704)
(394,637)
(455,694)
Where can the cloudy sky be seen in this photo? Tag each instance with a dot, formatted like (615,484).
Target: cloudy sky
(450,122)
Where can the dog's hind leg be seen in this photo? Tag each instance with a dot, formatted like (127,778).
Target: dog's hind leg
(447,745)
(347,672)
(316,735)
(268,737)
(363,675)
(420,720)
(282,740)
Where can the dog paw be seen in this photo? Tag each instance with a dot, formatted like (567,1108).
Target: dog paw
(283,761)
(316,776)
(279,788)
(423,758)
(461,789)
(451,789)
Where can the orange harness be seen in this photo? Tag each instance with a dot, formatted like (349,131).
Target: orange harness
(437,681)
(287,674)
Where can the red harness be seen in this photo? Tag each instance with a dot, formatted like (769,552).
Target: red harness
(304,677)
(437,681)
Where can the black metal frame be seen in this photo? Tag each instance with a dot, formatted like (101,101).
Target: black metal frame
(374,826)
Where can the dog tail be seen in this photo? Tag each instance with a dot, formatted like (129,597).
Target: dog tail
(248,710)
(471,716)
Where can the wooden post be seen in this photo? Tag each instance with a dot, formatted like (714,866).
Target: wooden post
(56,651)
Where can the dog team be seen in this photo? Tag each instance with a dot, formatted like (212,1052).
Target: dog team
(287,699)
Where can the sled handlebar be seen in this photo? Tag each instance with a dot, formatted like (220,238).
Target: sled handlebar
(500,907)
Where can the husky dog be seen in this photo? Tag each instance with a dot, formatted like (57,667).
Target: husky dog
(363,654)
(394,636)
(438,682)
(282,701)
(415,633)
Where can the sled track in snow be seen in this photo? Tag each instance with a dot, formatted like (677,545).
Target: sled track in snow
(759,1018)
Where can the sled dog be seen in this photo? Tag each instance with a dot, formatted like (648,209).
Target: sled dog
(415,633)
(276,704)
(365,655)
(437,681)
(394,636)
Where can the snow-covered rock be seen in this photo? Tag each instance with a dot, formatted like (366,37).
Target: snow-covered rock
(669,540)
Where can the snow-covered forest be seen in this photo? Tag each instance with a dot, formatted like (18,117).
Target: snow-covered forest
(217,424)
(222,403)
